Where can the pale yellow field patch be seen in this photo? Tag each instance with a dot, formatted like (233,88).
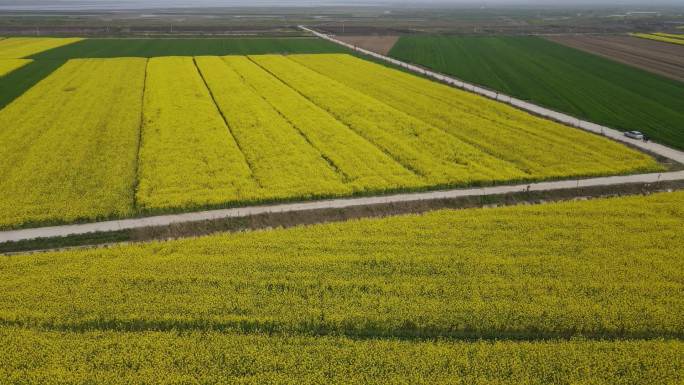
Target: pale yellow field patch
(9,65)
(21,47)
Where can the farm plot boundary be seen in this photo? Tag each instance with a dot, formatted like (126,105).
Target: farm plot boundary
(287,215)
(650,55)
(19,81)
(166,195)
(546,73)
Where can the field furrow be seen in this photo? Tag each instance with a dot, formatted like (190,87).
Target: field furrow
(363,164)
(426,150)
(188,157)
(69,144)
(283,163)
(542,148)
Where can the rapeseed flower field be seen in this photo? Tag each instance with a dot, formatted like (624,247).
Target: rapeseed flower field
(184,133)
(9,65)
(574,292)
(187,155)
(664,37)
(69,145)
(21,47)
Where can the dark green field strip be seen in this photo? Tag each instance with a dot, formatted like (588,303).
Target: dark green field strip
(559,77)
(17,82)
(105,48)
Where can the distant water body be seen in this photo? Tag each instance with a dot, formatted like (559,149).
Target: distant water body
(80,5)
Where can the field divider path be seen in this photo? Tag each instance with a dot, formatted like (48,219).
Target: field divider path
(136,182)
(166,220)
(544,112)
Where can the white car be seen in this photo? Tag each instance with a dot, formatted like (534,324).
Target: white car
(634,135)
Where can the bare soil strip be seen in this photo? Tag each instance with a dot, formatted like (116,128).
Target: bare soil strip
(650,55)
(375,43)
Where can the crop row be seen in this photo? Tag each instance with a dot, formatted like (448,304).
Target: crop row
(664,37)
(283,163)
(210,131)
(187,155)
(363,165)
(427,151)
(536,147)
(21,47)
(609,268)
(46,357)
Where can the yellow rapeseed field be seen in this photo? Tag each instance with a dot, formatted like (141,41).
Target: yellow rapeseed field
(439,158)
(236,130)
(21,47)
(9,65)
(282,161)
(187,157)
(667,38)
(69,144)
(363,166)
(679,36)
(541,148)
(575,292)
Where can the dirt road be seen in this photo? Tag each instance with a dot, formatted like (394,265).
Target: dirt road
(165,220)
(654,56)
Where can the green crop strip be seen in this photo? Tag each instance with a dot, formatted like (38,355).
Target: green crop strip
(107,48)
(17,82)
(561,78)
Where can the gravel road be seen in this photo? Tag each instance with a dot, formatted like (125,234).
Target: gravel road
(163,220)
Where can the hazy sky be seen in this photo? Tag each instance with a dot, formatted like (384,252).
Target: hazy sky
(137,4)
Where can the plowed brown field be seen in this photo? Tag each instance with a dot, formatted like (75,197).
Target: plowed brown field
(660,58)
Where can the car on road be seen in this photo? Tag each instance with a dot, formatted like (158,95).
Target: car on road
(634,135)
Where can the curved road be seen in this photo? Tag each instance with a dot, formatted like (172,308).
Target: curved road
(164,220)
